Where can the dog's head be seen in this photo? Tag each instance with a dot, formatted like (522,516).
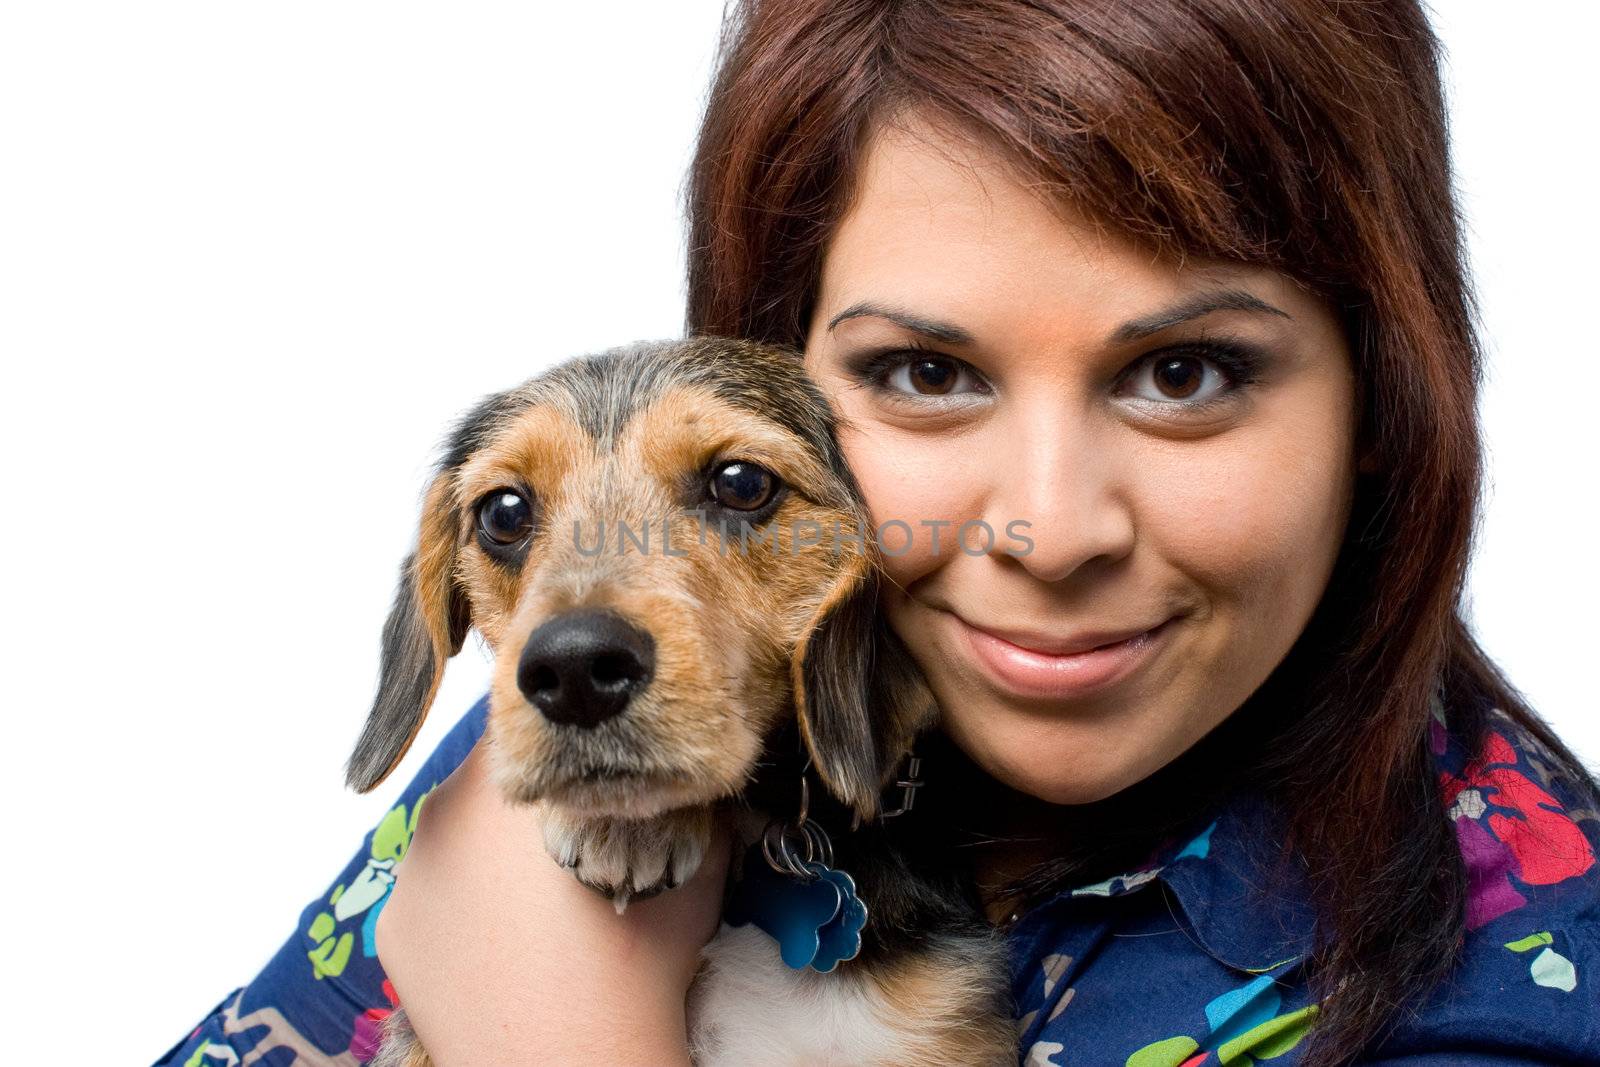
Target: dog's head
(667,554)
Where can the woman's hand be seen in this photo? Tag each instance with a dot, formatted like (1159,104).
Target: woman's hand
(500,956)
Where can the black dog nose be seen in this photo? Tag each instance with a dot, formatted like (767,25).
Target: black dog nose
(582,667)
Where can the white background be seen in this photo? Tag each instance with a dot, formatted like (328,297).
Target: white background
(254,259)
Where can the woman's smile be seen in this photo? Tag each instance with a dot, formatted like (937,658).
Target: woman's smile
(1034,665)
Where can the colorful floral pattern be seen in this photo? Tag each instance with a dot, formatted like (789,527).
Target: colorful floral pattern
(1510,830)
(1243,1026)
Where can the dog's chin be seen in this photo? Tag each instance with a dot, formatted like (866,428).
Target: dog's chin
(617,793)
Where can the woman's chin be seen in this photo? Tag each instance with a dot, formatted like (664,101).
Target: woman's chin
(1066,772)
(1073,791)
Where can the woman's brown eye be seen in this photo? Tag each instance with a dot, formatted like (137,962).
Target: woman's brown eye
(505,516)
(930,376)
(1179,376)
(742,486)
(934,376)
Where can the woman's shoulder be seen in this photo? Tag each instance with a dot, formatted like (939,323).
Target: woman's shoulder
(1528,974)
(1526,827)
(1233,982)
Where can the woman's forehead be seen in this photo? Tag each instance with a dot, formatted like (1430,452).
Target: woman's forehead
(940,223)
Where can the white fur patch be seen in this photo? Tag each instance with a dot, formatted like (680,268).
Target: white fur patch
(748,1007)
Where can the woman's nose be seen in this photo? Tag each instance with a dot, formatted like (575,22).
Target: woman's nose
(1061,485)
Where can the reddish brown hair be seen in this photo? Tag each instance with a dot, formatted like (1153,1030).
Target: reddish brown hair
(1304,136)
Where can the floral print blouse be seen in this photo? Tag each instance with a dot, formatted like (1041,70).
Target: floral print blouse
(1184,962)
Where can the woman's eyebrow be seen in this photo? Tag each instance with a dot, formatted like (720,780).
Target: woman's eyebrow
(1192,308)
(1189,308)
(940,331)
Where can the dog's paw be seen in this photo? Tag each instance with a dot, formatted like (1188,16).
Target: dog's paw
(629,859)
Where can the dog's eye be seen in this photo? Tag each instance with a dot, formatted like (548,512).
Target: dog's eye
(742,486)
(505,516)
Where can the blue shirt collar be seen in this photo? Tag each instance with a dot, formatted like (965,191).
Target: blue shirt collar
(1222,876)
(1247,908)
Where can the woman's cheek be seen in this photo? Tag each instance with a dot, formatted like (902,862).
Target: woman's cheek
(1255,537)
(911,483)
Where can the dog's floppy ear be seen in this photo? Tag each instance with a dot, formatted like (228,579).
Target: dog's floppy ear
(861,698)
(426,626)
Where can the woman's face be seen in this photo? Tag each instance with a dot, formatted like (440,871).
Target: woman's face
(1147,447)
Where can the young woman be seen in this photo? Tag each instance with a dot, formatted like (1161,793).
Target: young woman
(1178,284)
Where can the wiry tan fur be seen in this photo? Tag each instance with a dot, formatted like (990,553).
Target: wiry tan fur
(955,1024)
(725,626)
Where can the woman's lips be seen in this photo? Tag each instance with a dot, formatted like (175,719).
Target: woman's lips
(1028,673)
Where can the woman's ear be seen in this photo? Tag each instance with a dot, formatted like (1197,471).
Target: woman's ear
(426,626)
(861,698)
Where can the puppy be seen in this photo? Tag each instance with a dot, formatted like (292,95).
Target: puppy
(672,564)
